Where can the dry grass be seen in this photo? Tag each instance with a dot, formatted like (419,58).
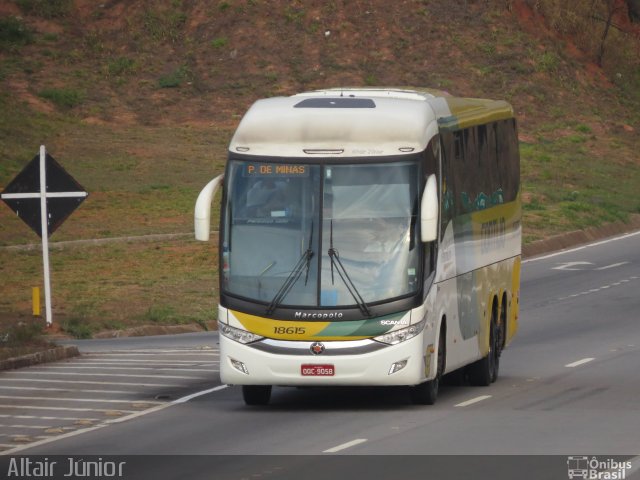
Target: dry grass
(116,286)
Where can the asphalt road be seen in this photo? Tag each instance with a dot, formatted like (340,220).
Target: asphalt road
(569,386)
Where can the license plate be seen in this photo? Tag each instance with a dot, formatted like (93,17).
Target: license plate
(317,370)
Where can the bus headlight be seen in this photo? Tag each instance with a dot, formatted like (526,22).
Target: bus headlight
(404,334)
(237,334)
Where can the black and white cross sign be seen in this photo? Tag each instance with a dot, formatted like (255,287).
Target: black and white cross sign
(46,181)
(43,195)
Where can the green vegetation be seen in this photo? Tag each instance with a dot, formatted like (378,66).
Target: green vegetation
(121,66)
(77,327)
(13,33)
(46,8)
(219,42)
(63,97)
(165,24)
(20,338)
(175,78)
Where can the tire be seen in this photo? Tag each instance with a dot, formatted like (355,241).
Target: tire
(485,371)
(426,393)
(256,394)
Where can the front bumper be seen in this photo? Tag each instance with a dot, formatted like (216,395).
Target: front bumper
(356,363)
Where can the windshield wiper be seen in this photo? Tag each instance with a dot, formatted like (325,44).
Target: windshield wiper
(303,261)
(335,262)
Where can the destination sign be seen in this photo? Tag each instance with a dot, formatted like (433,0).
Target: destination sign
(275,170)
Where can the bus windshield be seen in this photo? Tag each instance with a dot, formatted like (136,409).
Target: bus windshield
(293,232)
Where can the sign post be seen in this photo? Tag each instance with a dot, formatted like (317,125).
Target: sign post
(43,195)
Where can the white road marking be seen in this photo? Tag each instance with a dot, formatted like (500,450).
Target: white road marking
(579,362)
(170,363)
(87,382)
(199,394)
(70,390)
(571,266)
(31,417)
(613,265)
(594,290)
(38,427)
(344,446)
(602,242)
(34,407)
(64,399)
(75,374)
(155,369)
(111,421)
(209,351)
(473,400)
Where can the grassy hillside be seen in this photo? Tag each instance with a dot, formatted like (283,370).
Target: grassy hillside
(138,99)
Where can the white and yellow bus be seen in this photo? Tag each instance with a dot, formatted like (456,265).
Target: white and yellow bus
(367,237)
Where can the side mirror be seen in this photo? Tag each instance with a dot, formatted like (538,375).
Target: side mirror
(202,215)
(429,211)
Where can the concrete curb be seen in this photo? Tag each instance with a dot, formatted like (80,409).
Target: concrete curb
(51,355)
(580,237)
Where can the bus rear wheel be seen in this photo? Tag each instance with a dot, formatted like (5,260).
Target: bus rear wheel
(256,394)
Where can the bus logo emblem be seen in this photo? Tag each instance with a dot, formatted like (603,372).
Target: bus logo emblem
(317,348)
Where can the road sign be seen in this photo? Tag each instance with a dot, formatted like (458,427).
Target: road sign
(43,195)
(63,194)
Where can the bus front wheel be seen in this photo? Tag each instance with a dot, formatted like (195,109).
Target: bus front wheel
(426,393)
(485,371)
(256,394)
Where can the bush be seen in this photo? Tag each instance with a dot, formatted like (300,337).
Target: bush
(65,98)
(174,79)
(121,66)
(13,32)
(77,327)
(46,8)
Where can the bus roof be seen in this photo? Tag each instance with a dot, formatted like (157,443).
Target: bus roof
(353,122)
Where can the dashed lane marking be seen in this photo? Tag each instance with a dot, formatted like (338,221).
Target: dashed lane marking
(346,445)
(473,400)
(579,362)
(613,265)
(603,287)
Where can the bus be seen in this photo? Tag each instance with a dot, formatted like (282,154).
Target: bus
(367,237)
